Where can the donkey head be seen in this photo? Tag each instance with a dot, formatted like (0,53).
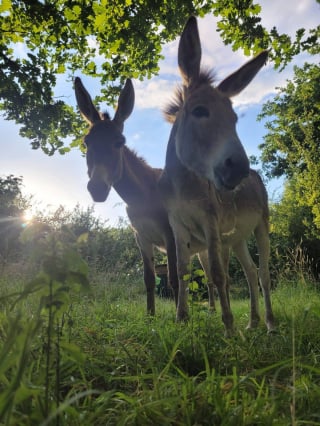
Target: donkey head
(104,141)
(206,137)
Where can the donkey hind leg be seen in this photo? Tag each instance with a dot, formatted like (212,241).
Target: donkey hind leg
(250,269)
(146,250)
(263,243)
(203,258)
(172,267)
(226,260)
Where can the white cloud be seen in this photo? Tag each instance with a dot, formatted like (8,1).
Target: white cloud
(154,93)
(287,17)
(136,136)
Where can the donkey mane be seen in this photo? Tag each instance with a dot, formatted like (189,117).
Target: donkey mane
(171,110)
(135,159)
(134,156)
(130,152)
(105,116)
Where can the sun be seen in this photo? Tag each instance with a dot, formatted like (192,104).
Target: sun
(28,216)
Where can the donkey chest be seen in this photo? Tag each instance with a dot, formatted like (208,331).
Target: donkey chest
(190,221)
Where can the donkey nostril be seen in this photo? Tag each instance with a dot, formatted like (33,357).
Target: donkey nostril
(228,163)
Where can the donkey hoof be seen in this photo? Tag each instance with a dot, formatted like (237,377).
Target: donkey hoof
(230,332)
(253,325)
(272,329)
(271,326)
(182,317)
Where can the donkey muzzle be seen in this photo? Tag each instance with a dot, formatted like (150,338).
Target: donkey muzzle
(99,190)
(231,172)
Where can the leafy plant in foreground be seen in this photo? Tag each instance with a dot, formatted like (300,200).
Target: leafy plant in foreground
(43,354)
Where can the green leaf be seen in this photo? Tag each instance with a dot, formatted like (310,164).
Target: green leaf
(76,10)
(100,22)
(73,351)
(193,286)
(5,6)
(198,273)
(61,68)
(91,67)
(23,392)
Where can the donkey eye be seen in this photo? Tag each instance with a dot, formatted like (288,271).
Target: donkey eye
(200,111)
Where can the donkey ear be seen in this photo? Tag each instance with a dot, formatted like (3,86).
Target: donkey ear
(240,79)
(85,104)
(189,52)
(125,103)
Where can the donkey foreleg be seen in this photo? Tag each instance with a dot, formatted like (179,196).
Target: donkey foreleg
(146,250)
(263,243)
(183,269)
(217,270)
(172,267)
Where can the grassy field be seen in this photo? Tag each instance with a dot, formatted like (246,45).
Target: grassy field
(95,358)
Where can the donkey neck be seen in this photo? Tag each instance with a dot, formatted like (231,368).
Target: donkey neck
(138,180)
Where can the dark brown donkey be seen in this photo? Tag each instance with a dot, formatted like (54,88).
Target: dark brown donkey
(111,163)
(202,216)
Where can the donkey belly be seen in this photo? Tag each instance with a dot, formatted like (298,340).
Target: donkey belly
(239,228)
(150,231)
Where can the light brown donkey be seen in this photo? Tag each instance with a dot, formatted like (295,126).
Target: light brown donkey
(111,163)
(212,215)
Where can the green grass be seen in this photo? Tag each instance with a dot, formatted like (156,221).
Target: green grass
(110,364)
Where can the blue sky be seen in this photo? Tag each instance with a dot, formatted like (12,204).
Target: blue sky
(62,179)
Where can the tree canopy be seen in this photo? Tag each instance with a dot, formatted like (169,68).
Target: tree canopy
(12,202)
(12,206)
(291,147)
(109,40)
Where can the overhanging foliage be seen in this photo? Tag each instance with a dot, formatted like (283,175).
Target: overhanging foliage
(109,40)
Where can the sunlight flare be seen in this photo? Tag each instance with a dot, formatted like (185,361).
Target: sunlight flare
(27,217)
